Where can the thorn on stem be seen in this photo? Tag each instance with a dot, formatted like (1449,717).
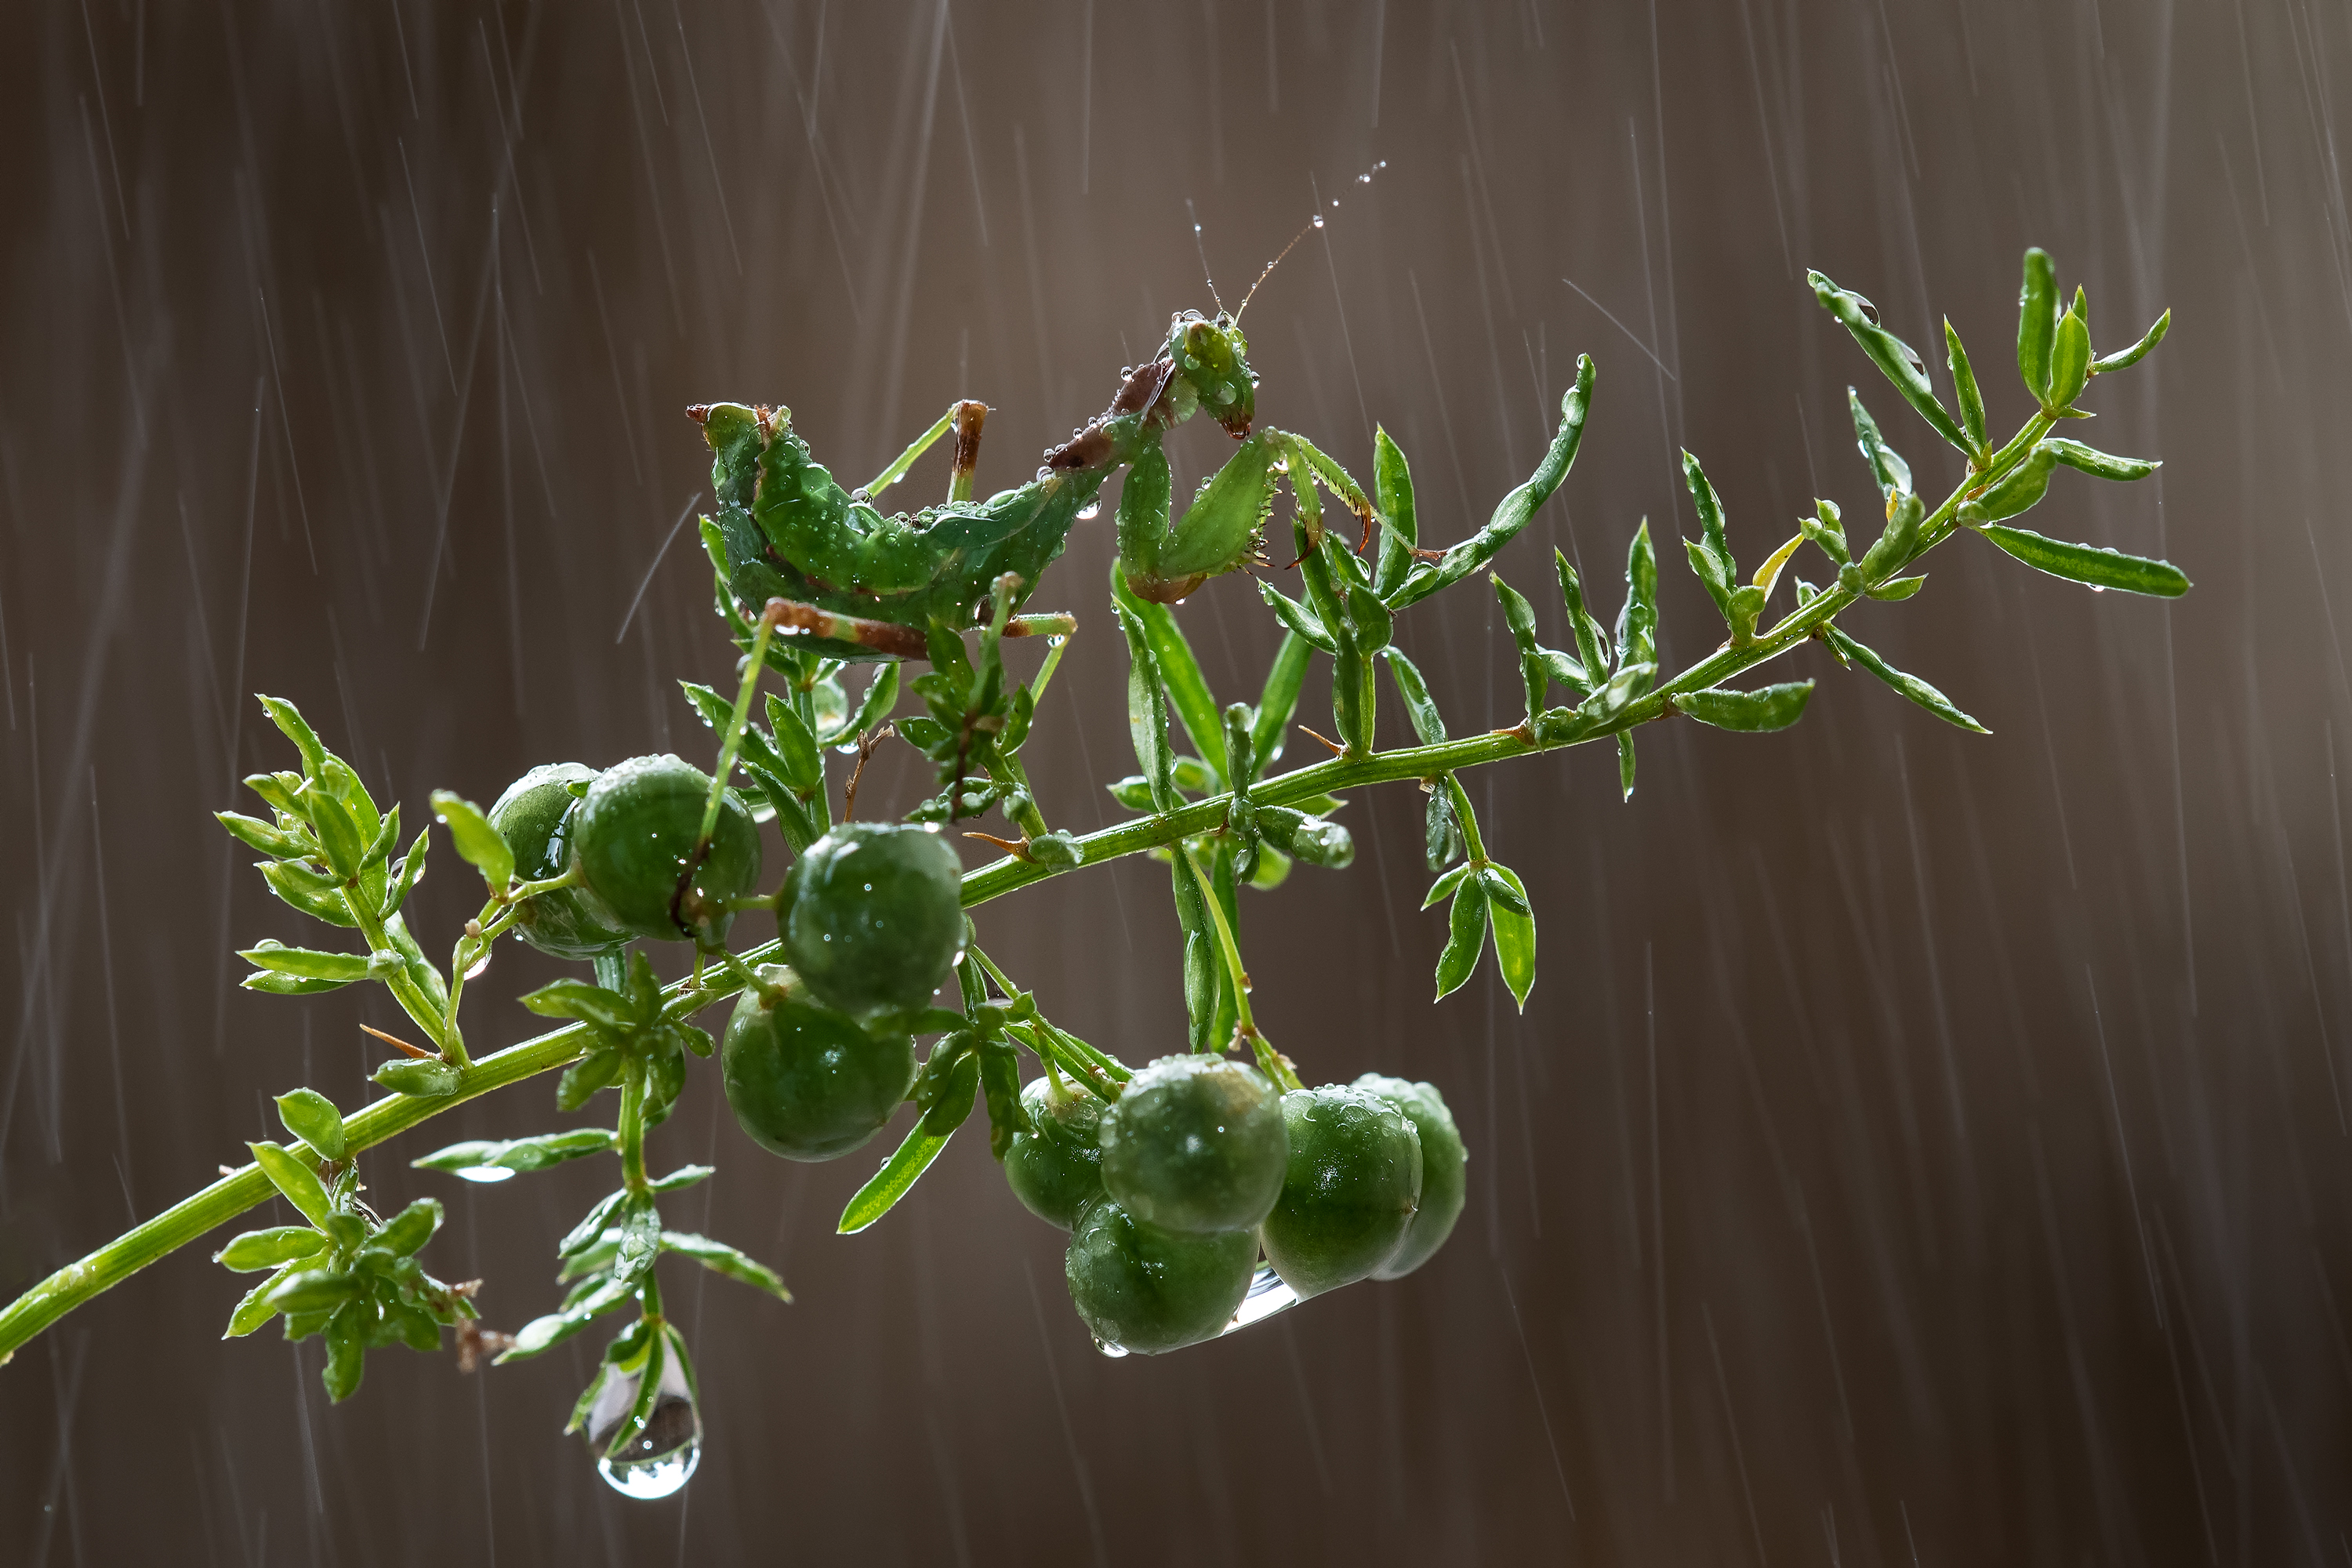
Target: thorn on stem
(402,1045)
(1336,749)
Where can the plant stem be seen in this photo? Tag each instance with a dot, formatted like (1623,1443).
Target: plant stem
(233,1195)
(632,1127)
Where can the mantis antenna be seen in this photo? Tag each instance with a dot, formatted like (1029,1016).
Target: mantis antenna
(1313,223)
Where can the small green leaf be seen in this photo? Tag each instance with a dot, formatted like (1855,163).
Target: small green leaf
(796,757)
(2138,352)
(1515,930)
(339,839)
(1897,358)
(578,999)
(312,1117)
(271,984)
(2098,464)
(1964,383)
(1301,621)
(1392,483)
(261,836)
(2037,323)
(721,1259)
(582,1078)
(478,843)
(1827,530)
(541,1335)
(680,1179)
(1427,723)
(288,719)
(407,1232)
(592,1225)
(272,1248)
(1444,886)
(898,1173)
(521,1154)
(1591,644)
(1886,465)
(1146,712)
(1279,699)
(2070,362)
(1513,512)
(253,1309)
(1306,839)
(315,1290)
(1765,709)
(2018,491)
(1466,936)
(1520,618)
(1898,588)
(426,1078)
(1711,558)
(278,958)
(404,875)
(1180,673)
(1910,686)
(1637,621)
(346,1350)
(881,696)
(2100,568)
(291,1177)
(640,1242)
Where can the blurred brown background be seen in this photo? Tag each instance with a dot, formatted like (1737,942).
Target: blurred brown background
(1920,1147)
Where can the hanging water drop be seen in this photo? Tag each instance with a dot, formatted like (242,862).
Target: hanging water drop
(656,1459)
(486,1174)
(1089,512)
(1269,1294)
(1115,1352)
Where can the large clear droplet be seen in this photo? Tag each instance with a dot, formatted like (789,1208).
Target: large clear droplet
(1267,1295)
(1089,512)
(1318,220)
(1110,1348)
(662,1458)
(486,1174)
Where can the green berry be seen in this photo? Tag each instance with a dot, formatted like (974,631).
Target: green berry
(631,838)
(1056,1171)
(535,816)
(1143,1288)
(874,917)
(1444,1181)
(1195,1144)
(805,1082)
(1353,1185)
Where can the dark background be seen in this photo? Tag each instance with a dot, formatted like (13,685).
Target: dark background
(1920,1147)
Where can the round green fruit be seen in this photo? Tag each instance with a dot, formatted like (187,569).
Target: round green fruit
(1444,1183)
(1195,1144)
(874,917)
(1353,1185)
(535,816)
(631,838)
(805,1082)
(1146,1290)
(1056,1171)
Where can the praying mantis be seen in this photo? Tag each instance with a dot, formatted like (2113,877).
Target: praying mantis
(860,585)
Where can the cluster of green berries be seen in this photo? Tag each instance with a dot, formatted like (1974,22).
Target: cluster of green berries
(1170,1192)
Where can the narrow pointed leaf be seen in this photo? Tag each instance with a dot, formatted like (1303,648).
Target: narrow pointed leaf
(1466,936)
(2070,361)
(1969,396)
(1765,709)
(2098,464)
(481,846)
(898,1173)
(294,1179)
(1886,465)
(2100,568)
(1515,931)
(1147,713)
(1910,686)
(1279,700)
(1637,621)
(721,1259)
(2126,358)
(1890,354)
(1516,508)
(1392,484)
(1180,673)
(1427,722)
(2037,323)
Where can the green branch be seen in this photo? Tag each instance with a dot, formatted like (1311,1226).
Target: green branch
(1555,729)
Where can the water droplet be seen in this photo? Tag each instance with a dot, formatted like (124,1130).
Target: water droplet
(1363,179)
(479,964)
(1089,512)
(486,1174)
(1335,201)
(1110,1350)
(661,1457)
(1267,1295)
(1318,220)
(2097,589)
(1196,228)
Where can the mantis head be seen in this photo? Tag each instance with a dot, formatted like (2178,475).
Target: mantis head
(1209,365)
